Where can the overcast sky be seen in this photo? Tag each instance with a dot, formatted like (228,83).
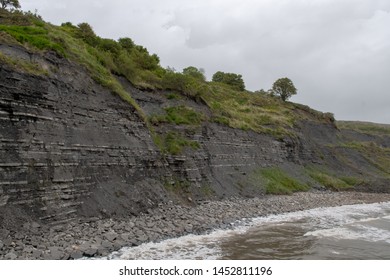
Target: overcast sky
(337,52)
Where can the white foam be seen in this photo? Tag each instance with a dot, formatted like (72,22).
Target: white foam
(331,216)
(335,222)
(190,247)
(358,232)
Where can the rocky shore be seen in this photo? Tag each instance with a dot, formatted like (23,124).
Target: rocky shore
(95,238)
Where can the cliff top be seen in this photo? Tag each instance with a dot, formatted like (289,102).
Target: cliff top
(107,59)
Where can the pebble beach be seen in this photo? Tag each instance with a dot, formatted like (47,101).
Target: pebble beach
(99,237)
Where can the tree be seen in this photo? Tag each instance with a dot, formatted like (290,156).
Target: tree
(86,33)
(9,3)
(126,43)
(195,73)
(231,79)
(284,88)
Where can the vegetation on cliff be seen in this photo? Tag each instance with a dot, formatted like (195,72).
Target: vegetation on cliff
(106,59)
(228,102)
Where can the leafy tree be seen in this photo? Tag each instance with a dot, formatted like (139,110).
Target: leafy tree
(284,88)
(126,43)
(231,79)
(195,72)
(9,3)
(86,33)
(109,45)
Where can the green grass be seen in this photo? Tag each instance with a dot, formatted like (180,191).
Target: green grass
(333,182)
(173,143)
(105,59)
(173,96)
(365,127)
(35,36)
(181,115)
(249,111)
(278,182)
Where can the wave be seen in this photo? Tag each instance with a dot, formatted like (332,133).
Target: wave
(358,222)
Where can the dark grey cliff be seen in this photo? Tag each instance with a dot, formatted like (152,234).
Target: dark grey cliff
(69,148)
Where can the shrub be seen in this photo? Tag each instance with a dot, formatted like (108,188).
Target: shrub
(231,79)
(194,72)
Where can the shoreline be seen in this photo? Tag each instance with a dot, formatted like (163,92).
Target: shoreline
(99,238)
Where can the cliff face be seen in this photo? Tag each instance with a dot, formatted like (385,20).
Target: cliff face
(70,148)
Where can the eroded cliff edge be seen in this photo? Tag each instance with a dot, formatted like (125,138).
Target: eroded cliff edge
(70,148)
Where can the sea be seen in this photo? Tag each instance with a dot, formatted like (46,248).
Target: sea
(351,232)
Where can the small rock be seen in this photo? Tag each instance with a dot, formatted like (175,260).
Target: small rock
(106,244)
(76,255)
(151,225)
(11,256)
(142,238)
(36,254)
(4,233)
(56,253)
(111,236)
(28,249)
(58,228)
(91,252)
(7,242)
(125,236)
(35,225)
(1,245)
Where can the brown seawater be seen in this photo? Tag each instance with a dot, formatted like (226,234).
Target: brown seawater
(346,232)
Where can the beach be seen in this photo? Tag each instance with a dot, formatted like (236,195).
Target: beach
(94,238)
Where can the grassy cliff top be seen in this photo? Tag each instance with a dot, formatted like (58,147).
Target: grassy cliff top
(365,127)
(107,59)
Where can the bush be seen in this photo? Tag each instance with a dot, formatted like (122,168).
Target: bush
(194,72)
(231,79)
(86,33)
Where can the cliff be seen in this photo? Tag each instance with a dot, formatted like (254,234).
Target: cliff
(72,147)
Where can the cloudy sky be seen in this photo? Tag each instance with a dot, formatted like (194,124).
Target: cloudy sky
(337,52)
